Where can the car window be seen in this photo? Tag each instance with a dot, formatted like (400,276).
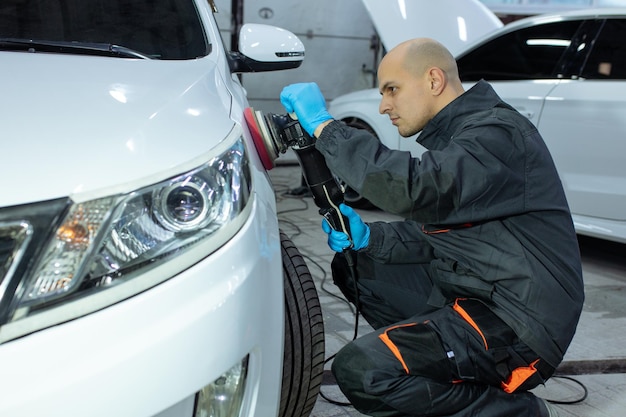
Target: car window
(160,29)
(527,53)
(607,60)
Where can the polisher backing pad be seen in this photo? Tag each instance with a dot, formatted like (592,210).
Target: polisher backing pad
(262,137)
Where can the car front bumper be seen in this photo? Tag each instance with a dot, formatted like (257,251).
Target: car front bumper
(150,354)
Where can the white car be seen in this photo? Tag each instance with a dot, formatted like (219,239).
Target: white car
(566,72)
(142,269)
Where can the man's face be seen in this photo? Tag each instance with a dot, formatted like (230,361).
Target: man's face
(406,98)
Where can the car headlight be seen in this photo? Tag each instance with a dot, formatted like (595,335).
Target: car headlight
(104,250)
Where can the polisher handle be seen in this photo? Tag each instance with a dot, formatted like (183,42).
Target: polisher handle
(337,221)
(326,192)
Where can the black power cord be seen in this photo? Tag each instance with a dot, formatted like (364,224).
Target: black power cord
(582,398)
(349,256)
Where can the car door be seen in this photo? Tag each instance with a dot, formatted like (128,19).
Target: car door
(520,63)
(584,124)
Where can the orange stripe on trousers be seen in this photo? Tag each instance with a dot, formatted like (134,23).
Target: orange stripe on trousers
(470,320)
(392,347)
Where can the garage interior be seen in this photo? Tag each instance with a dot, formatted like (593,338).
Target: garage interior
(592,379)
(118,280)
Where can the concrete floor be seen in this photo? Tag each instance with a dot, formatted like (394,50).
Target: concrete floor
(597,355)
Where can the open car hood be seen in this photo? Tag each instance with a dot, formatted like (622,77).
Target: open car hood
(454,23)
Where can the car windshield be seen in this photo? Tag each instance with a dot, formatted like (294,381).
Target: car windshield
(156,29)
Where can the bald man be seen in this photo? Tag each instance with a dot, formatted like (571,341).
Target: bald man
(476,296)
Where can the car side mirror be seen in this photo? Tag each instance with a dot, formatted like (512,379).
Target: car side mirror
(266,48)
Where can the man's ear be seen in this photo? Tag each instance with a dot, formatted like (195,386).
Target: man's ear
(437,79)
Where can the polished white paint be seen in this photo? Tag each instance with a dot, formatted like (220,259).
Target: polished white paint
(259,42)
(78,124)
(84,127)
(584,125)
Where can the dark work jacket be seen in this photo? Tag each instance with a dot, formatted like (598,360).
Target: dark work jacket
(484,207)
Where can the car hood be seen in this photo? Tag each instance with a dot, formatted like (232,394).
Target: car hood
(454,23)
(76,124)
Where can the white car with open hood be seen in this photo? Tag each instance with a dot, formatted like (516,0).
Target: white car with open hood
(566,72)
(142,269)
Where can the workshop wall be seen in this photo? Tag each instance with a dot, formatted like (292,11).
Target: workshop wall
(340,40)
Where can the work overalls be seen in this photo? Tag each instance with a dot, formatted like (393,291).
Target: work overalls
(459,360)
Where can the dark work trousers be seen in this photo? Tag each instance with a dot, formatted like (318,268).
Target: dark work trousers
(459,360)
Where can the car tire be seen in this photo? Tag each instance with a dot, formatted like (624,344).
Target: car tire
(350,196)
(303,363)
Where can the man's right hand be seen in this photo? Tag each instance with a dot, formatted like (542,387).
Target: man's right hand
(339,241)
(308,103)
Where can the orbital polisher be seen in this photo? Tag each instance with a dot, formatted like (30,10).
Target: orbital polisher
(273,134)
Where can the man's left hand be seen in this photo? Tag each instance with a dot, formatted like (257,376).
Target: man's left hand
(308,103)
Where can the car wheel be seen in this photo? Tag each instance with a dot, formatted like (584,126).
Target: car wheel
(350,196)
(303,363)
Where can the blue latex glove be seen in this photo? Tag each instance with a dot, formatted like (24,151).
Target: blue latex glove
(338,241)
(308,103)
